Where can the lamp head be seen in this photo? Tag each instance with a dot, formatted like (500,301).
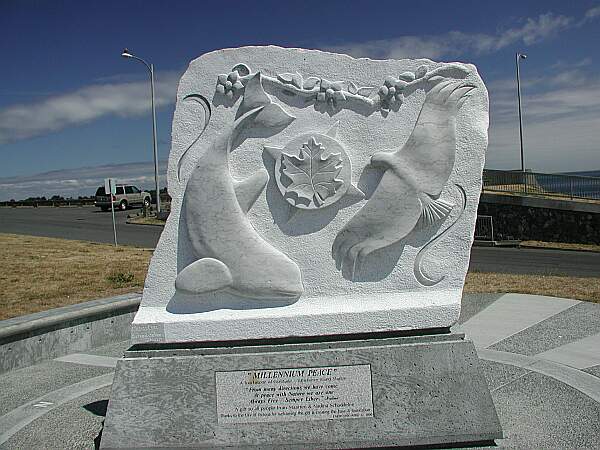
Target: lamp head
(126,54)
(522,56)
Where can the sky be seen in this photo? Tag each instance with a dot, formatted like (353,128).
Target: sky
(72,110)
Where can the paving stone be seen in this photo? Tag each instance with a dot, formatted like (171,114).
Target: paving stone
(20,386)
(497,374)
(594,370)
(474,303)
(538,412)
(576,322)
(74,425)
(509,315)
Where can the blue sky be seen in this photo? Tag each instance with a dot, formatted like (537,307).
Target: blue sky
(68,100)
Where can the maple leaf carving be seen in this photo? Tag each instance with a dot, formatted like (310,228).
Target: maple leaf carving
(313,175)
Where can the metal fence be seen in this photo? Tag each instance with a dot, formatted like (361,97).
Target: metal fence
(543,184)
(484,228)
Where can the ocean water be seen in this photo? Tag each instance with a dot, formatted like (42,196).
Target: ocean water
(589,173)
(578,187)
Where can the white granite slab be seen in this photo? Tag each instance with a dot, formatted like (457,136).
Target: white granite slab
(313,194)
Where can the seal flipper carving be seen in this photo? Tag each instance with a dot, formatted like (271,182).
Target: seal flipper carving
(434,210)
(204,275)
(248,190)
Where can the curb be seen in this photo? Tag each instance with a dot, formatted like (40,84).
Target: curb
(538,247)
(38,323)
(519,244)
(27,340)
(145,224)
(507,243)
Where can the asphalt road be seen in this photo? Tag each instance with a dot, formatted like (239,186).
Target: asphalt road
(90,224)
(84,223)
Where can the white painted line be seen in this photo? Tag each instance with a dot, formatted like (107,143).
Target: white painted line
(42,404)
(510,314)
(584,382)
(18,418)
(89,360)
(579,354)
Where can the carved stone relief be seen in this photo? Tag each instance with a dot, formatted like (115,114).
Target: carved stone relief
(313,171)
(338,95)
(231,254)
(408,195)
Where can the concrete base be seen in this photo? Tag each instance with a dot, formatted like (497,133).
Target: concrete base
(31,339)
(425,389)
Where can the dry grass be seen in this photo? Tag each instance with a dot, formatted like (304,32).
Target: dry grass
(518,190)
(561,246)
(587,289)
(42,273)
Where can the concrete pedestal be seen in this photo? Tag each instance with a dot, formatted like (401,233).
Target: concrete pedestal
(424,390)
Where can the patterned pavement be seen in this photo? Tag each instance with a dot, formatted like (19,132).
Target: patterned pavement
(540,356)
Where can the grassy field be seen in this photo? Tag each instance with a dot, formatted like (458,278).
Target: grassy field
(42,273)
(587,289)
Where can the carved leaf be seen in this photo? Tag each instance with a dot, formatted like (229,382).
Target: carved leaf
(285,77)
(311,82)
(265,113)
(254,96)
(273,115)
(421,72)
(365,91)
(313,176)
(407,76)
(291,78)
(297,80)
(352,88)
(242,69)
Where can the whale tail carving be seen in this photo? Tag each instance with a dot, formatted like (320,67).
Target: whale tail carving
(203,276)
(209,274)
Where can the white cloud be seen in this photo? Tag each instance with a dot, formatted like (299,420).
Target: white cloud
(456,42)
(561,108)
(397,48)
(535,30)
(125,99)
(561,116)
(592,13)
(80,181)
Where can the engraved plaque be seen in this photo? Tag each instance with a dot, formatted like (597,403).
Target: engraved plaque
(294,394)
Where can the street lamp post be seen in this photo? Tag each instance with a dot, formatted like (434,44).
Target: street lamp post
(127,54)
(520,56)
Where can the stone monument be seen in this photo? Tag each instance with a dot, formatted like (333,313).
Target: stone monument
(303,288)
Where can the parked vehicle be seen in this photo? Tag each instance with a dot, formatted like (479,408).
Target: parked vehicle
(126,196)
